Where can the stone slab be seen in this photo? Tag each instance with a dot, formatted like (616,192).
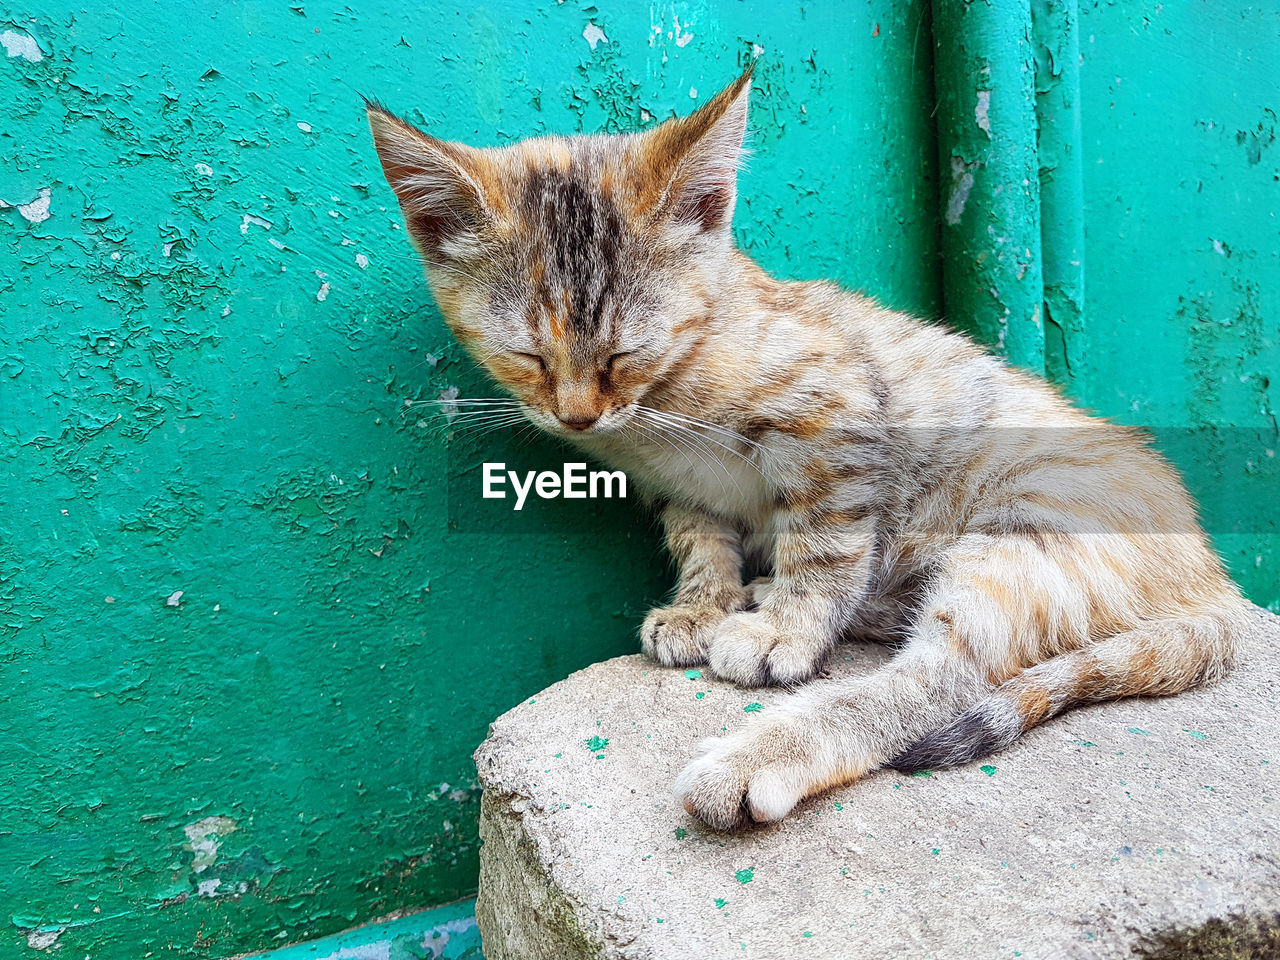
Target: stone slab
(1091,838)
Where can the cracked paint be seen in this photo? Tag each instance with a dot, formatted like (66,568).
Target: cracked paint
(982,110)
(44,939)
(19,44)
(204,837)
(961,187)
(37,210)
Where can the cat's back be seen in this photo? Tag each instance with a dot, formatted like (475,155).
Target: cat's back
(996,435)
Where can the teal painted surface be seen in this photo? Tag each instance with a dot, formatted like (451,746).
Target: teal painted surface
(446,933)
(1181,185)
(246,658)
(992,264)
(1055,28)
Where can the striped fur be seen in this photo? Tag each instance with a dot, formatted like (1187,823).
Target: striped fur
(884,477)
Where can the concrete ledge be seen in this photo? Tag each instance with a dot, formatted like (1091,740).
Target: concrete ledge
(1095,836)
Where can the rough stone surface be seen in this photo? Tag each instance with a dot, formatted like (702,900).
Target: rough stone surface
(1103,829)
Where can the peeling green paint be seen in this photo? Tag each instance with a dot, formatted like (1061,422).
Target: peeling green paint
(1055,27)
(992,264)
(1180,178)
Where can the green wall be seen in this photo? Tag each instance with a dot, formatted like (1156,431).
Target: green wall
(1181,177)
(207,345)
(205,353)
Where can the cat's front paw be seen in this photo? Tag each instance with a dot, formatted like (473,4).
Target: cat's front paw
(758,774)
(677,636)
(752,650)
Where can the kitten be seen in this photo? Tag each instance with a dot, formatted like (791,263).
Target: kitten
(888,477)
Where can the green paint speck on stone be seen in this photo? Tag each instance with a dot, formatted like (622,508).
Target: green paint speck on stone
(936,851)
(681,833)
(753,708)
(596,743)
(746,875)
(1140,732)
(988,769)
(693,673)
(720,904)
(923,773)
(807,933)
(839,805)
(1196,733)
(1084,743)
(700,694)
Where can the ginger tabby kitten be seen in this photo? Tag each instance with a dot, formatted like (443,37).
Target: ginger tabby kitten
(887,477)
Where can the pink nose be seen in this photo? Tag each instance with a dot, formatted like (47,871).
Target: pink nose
(579,421)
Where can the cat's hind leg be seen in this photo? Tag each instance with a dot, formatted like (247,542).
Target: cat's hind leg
(757,590)
(988,613)
(1158,658)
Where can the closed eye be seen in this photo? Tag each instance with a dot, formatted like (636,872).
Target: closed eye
(532,358)
(609,364)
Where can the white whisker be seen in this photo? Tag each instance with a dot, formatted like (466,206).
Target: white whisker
(706,425)
(651,434)
(675,421)
(681,442)
(711,458)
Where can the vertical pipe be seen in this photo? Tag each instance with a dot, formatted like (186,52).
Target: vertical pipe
(985,80)
(1055,29)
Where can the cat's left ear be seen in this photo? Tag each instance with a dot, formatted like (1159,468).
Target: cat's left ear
(694,160)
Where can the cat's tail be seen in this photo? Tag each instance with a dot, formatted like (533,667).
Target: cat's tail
(1156,659)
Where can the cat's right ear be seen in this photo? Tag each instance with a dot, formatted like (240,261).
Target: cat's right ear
(437,183)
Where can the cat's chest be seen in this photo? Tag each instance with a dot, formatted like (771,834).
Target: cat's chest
(701,471)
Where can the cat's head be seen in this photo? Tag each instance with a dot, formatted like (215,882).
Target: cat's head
(577,270)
